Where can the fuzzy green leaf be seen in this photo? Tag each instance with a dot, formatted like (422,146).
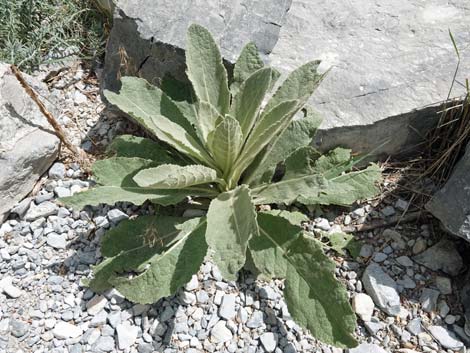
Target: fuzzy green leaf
(294,217)
(139,99)
(247,102)
(130,234)
(134,146)
(274,77)
(298,134)
(134,194)
(328,185)
(116,177)
(347,188)
(142,93)
(315,299)
(334,162)
(169,176)
(207,118)
(183,96)
(316,189)
(178,90)
(160,258)
(117,171)
(269,125)
(268,256)
(301,162)
(231,222)
(226,142)
(248,62)
(288,191)
(206,70)
(299,85)
(265,130)
(343,241)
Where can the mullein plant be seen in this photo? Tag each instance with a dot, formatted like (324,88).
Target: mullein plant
(227,149)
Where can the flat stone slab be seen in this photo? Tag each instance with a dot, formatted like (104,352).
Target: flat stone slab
(27,145)
(382,288)
(451,204)
(391,62)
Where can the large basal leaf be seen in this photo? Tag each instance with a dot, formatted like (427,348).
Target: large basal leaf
(294,217)
(315,299)
(246,103)
(118,171)
(183,96)
(335,162)
(268,257)
(345,189)
(137,98)
(207,119)
(151,257)
(226,142)
(271,270)
(134,146)
(116,177)
(152,231)
(329,184)
(231,222)
(134,194)
(298,134)
(128,237)
(299,85)
(288,191)
(316,189)
(144,94)
(206,70)
(301,162)
(264,131)
(170,176)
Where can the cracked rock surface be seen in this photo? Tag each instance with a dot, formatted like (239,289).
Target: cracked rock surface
(391,62)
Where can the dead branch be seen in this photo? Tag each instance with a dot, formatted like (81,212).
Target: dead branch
(382,223)
(79,154)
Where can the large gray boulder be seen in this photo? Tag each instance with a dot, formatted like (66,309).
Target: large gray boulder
(392,61)
(451,204)
(27,146)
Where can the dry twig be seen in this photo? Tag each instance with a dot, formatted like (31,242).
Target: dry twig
(79,154)
(409,217)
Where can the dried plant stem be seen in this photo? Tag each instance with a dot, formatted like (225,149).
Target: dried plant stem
(409,217)
(77,152)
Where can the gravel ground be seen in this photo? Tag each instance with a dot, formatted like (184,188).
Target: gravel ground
(403,286)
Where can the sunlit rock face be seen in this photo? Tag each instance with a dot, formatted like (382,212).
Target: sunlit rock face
(391,62)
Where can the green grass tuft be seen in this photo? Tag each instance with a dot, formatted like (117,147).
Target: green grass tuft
(35,32)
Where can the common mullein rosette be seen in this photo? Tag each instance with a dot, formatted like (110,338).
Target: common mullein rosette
(222,147)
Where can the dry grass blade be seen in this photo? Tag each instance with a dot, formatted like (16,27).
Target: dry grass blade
(79,154)
(448,140)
